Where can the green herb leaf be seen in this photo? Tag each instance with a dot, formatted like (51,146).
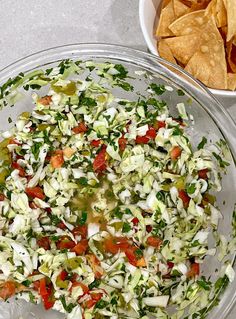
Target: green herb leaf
(202,143)
(126,228)
(158,89)
(83,218)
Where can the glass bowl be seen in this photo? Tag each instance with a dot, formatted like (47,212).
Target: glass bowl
(210,120)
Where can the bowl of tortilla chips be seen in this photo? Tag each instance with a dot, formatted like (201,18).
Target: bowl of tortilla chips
(197,35)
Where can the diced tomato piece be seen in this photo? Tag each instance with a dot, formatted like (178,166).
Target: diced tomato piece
(95,265)
(45,100)
(7,290)
(114,244)
(175,152)
(36,285)
(159,124)
(184,197)
(13,141)
(81,247)
(142,140)
(32,205)
(21,170)
(134,258)
(99,163)
(194,270)
(80,230)
(203,173)
(2,197)
(135,221)
(148,228)
(63,275)
(95,143)
(57,159)
(95,297)
(74,278)
(122,142)
(170,264)
(44,242)
(35,192)
(154,241)
(80,284)
(48,304)
(65,242)
(81,128)
(151,133)
(61,225)
(43,287)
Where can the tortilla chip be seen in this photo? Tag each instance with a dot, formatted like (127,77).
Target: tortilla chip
(179,8)
(231,81)
(208,64)
(166,18)
(189,23)
(199,5)
(165,52)
(165,3)
(184,47)
(218,10)
(231,19)
(231,55)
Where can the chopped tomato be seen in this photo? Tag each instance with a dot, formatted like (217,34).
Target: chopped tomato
(184,197)
(159,124)
(44,242)
(95,297)
(170,264)
(203,173)
(7,290)
(151,133)
(32,205)
(57,159)
(2,197)
(43,287)
(148,228)
(81,128)
(194,270)
(81,247)
(13,141)
(65,242)
(80,231)
(35,192)
(134,258)
(80,284)
(175,152)
(45,100)
(63,275)
(36,285)
(154,241)
(95,265)
(61,225)
(135,221)
(48,304)
(95,143)
(21,170)
(122,142)
(142,140)
(114,244)
(99,163)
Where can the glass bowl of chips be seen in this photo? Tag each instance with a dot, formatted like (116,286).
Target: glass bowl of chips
(208,118)
(200,36)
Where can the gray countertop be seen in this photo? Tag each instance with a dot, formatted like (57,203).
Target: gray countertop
(28,26)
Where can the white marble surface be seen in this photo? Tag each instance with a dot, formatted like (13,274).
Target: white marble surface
(28,26)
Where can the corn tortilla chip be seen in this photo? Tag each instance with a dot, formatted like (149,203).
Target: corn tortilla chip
(180,8)
(166,18)
(218,10)
(199,5)
(231,77)
(208,64)
(183,47)
(231,55)
(165,52)
(189,23)
(231,18)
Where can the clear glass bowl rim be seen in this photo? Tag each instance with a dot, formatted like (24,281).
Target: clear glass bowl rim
(152,63)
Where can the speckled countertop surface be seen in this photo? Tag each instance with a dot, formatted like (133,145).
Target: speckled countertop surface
(28,26)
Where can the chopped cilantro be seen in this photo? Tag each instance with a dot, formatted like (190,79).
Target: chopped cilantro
(83,181)
(122,71)
(158,89)
(202,143)
(126,228)
(94,284)
(180,92)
